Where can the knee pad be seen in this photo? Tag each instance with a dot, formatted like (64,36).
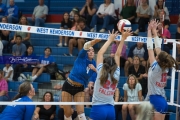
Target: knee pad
(82,116)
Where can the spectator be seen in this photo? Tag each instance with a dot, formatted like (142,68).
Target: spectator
(104,15)
(19,48)
(123,53)
(140,72)
(19,68)
(44,60)
(132,93)
(39,14)
(139,50)
(12,12)
(88,10)
(78,41)
(2,10)
(25,36)
(143,13)
(4,34)
(66,23)
(45,112)
(178,29)
(129,11)
(74,11)
(159,7)
(22,112)
(3,91)
(77,80)
(8,72)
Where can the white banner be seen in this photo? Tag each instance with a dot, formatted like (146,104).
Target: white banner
(70,33)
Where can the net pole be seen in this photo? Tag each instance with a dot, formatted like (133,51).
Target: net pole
(173,75)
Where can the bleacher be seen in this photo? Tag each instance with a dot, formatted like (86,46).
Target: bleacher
(43,82)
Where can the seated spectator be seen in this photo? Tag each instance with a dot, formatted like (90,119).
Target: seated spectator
(45,112)
(12,12)
(140,72)
(178,29)
(20,68)
(8,72)
(4,34)
(66,23)
(74,11)
(44,60)
(140,50)
(143,13)
(39,14)
(2,10)
(78,41)
(178,52)
(159,7)
(88,10)
(19,48)
(123,53)
(25,36)
(104,15)
(20,112)
(3,91)
(132,93)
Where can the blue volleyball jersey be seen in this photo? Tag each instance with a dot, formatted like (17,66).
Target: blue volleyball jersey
(18,112)
(80,72)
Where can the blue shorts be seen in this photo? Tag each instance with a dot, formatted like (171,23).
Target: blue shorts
(159,103)
(102,112)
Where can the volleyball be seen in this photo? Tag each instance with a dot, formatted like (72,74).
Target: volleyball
(124,24)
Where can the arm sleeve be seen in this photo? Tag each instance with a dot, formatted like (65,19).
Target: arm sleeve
(6,13)
(34,12)
(13,49)
(52,60)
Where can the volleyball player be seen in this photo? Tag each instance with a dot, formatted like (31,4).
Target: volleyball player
(73,88)
(108,73)
(157,73)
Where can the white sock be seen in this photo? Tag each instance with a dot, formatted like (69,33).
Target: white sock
(82,116)
(69,118)
(34,77)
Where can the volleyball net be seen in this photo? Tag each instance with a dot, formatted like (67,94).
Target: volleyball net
(42,37)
